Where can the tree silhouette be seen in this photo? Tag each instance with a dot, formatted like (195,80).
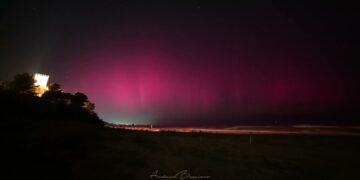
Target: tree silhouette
(78,100)
(19,100)
(55,87)
(81,101)
(54,94)
(89,106)
(23,83)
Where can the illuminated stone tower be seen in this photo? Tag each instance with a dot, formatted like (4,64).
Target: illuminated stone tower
(41,81)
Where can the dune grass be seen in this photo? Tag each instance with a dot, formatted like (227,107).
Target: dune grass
(63,150)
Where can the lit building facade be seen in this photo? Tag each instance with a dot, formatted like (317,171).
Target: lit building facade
(41,81)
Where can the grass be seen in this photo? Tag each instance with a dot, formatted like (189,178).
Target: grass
(66,150)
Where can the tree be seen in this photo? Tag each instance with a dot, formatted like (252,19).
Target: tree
(23,83)
(78,100)
(89,106)
(55,87)
(81,101)
(54,94)
(19,101)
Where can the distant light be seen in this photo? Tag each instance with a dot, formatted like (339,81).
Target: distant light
(41,81)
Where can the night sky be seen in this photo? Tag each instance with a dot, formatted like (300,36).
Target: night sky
(189,62)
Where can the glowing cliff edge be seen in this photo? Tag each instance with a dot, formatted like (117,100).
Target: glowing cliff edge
(41,81)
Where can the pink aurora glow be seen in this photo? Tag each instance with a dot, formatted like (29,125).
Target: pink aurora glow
(147,81)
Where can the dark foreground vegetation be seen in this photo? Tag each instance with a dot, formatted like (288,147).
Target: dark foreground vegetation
(50,139)
(66,149)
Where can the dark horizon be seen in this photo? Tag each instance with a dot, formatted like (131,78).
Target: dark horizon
(192,63)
